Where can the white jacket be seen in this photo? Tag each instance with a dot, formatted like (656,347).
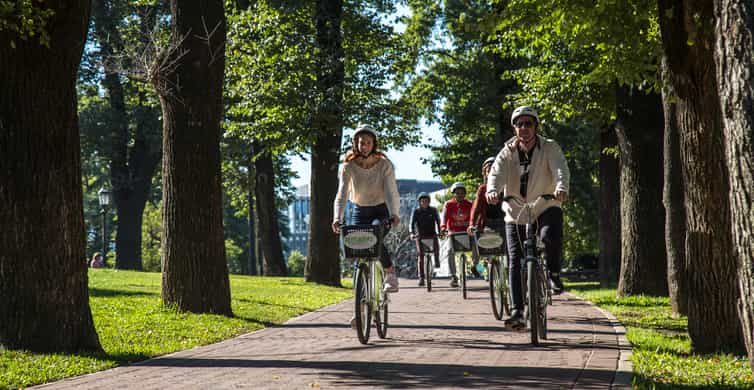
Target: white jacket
(548,172)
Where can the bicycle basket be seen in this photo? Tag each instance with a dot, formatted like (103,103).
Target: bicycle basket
(491,240)
(361,241)
(461,242)
(427,244)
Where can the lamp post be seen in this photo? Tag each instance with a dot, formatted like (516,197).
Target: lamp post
(104,202)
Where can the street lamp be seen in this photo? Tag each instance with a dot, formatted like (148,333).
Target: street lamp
(105,197)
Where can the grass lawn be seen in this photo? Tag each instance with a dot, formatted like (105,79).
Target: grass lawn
(133,325)
(662,355)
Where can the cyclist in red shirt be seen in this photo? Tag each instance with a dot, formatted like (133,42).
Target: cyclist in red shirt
(455,218)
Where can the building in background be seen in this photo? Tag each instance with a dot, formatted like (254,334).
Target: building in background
(298,211)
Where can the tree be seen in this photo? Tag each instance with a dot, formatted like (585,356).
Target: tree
(131,167)
(267,210)
(639,129)
(609,223)
(675,205)
(323,265)
(44,301)
(190,84)
(733,47)
(687,40)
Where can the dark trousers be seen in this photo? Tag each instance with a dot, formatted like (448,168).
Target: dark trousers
(435,252)
(365,215)
(550,231)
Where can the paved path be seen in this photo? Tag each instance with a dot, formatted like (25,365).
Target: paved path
(435,340)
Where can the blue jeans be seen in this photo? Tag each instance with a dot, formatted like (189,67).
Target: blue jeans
(550,224)
(364,215)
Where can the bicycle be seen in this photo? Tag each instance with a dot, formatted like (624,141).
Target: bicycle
(427,244)
(537,292)
(490,243)
(461,244)
(362,244)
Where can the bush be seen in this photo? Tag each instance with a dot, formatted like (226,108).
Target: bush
(296,263)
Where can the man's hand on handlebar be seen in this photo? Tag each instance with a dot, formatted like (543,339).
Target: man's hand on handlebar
(492,198)
(336,227)
(395,220)
(561,195)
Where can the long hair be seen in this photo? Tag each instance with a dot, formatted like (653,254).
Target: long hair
(353,153)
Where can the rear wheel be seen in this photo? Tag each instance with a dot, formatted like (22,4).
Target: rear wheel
(533,301)
(498,290)
(428,270)
(362,302)
(462,272)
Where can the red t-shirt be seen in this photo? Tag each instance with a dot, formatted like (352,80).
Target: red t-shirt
(455,217)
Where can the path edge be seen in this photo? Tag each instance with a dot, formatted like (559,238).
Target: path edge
(624,372)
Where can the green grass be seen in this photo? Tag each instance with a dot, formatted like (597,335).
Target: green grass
(133,325)
(662,354)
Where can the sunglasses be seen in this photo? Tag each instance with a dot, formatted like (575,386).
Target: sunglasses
(524,124)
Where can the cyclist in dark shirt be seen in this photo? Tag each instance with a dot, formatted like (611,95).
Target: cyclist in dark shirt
(425,223)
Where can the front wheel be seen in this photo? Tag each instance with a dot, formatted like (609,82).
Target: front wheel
(380,319)
(533,301)
(544,300)
(462,272)
(428,270)
(362,309)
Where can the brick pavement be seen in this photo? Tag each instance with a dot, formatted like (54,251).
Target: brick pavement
(435,340)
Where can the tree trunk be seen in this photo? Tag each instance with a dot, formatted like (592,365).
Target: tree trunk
(44,297)
(130,173)
(639,129)
(675,211)
(323,265)
(609,222)
(195,272)
(274,264)
(713,321)
(253,269)
(734,30)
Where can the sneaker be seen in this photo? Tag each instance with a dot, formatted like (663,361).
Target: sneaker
(516,320)
(556,284)
(391,284)
(353,322)
(454,282)
(421,282)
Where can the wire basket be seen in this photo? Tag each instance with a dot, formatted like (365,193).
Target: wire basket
(427,244)
(461,241)
(490,241)
(362,241)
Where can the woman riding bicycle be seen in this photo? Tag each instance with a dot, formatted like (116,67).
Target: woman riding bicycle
(367,179)
(425,223)
(528,166)
(481,211)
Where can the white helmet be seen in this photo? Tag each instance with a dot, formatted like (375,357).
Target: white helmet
(365,128)
(524,110)
(456,186)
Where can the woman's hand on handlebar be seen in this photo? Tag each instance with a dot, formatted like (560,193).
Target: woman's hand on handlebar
(395,220)
(336,227)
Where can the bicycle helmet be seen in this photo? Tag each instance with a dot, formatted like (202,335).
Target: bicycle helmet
(364,128)
(456,186)
(423,195)
(524,110)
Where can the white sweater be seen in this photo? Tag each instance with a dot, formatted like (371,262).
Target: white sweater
(367,187)
(548,172)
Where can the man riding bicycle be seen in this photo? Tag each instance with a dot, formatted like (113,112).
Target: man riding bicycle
(455,219)
(528,166)
(425,224)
